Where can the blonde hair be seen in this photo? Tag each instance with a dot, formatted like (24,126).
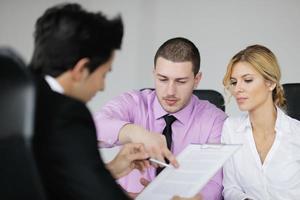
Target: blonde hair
(265,62)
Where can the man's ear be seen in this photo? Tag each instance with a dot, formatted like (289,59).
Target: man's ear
(197,79)
(80,70)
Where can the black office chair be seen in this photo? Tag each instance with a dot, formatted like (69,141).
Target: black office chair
(292,95)
(212,96)
(19,178)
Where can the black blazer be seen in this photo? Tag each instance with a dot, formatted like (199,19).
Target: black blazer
(65,147)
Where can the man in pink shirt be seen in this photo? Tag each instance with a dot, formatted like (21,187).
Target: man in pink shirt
(138,116)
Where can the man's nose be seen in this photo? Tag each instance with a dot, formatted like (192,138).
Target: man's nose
(171,88)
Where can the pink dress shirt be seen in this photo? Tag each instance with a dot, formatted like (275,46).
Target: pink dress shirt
(199,122)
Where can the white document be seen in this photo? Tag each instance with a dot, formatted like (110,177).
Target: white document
(198,164)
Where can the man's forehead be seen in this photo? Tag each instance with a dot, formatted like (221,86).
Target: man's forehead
(173,69)
(165,60)
(173,77)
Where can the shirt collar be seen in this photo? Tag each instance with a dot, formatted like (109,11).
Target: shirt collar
(281,123)
(54,84)
(245,124)
(182,115)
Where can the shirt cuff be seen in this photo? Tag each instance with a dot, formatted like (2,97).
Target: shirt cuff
(108,132)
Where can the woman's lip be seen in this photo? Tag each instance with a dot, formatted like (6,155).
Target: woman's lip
(241,99)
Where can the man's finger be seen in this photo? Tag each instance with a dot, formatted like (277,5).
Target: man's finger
(141,166)
(172,159)
(156,154)
(138,156)
(144,182)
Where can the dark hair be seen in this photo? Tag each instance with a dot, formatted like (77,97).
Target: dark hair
(66,33)
(179,50)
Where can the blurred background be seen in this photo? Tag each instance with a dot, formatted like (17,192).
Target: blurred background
(218,28)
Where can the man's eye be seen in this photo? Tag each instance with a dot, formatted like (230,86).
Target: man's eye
(162,80)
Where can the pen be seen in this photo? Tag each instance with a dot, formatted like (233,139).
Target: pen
(159,162)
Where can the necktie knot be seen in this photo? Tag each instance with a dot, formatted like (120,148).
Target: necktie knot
(169,120)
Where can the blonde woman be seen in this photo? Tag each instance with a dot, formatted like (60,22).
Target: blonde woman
(268,164)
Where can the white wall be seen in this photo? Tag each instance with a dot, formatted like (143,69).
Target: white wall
(219,29)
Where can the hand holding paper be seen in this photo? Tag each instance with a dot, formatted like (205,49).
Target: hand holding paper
(198,163)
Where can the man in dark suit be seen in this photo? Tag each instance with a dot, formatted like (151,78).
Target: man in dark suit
(74,50)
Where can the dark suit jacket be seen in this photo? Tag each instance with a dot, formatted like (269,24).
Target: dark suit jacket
(65,147)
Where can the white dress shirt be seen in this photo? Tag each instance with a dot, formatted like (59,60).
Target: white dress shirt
(54,84)
(278,177)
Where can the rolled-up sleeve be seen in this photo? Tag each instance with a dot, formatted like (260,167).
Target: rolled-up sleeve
(112,117)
